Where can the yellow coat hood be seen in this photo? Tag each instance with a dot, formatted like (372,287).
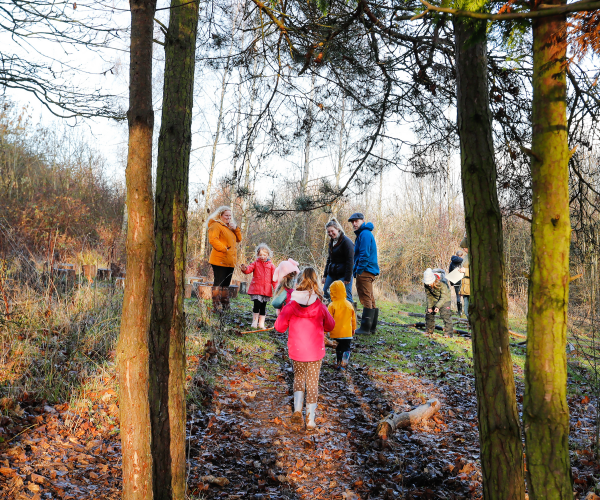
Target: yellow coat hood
(342,311)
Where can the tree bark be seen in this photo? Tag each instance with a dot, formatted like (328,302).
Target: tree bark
(499,429)
(167,330)
(545,410)
(132,349)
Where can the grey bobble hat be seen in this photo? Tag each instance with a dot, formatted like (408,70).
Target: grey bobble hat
(356,216)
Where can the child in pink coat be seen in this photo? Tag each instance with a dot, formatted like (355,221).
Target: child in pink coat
(307,319)
(261,286)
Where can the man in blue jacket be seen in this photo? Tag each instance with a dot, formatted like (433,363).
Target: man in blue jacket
(366,270)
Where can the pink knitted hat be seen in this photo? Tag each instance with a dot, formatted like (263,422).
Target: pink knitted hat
(284,268)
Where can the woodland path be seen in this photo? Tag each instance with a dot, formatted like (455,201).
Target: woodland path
(239,427)
(250,440)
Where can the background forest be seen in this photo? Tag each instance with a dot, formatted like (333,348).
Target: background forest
(437,122)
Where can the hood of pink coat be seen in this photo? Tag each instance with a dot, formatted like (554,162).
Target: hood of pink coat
(310,311)
(304,297)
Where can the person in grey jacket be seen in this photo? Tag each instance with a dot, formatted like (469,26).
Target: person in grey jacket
(455,262)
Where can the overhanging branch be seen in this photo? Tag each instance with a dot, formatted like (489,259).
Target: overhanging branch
(583,5)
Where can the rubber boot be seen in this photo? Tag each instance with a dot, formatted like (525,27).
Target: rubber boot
(298,401)
(311,409)
(375,318)
(216,299)
(225,298)
(366,321)
(254,320)
(261,322)
(345,359)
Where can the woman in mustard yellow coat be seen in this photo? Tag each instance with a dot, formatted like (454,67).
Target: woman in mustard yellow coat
(223,235)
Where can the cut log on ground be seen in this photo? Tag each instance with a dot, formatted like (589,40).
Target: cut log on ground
(441,328)
(395,421)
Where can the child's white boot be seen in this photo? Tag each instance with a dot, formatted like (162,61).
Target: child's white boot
(298,401)
(254,320)
(311,409)
(261,321)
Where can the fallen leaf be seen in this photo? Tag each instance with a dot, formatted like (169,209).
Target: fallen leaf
(7,471)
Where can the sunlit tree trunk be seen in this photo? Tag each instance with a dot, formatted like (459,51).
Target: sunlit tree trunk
(167,331)
(248,155)
(213,157)
(499,430)
(132,348)
(545,410)
(234,180)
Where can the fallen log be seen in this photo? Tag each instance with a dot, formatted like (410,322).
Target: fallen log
(441,328)
(395,421)
(463,332)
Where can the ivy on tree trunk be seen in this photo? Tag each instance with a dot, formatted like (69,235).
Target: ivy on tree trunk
(132,349)
(167,330)
(499,429)
(545,410)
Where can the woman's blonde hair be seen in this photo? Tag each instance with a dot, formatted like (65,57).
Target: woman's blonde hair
(216,215)
(309,280)
(263,246)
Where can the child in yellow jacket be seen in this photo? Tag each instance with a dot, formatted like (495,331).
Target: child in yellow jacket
(345,323)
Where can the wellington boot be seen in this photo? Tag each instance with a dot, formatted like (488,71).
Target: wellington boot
(298,402)
(216,299)
(254,320)
(375,318)
(366,321)
(261,322)
(345,359)
(311,410)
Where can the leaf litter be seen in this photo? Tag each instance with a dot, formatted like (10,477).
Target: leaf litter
(242,444)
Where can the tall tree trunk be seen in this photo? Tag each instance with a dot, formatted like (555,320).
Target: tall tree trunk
(545,410)
(212,162)
(213,157)
(499,430)
(132,349)
(234,180)
(167,330)
(249,148)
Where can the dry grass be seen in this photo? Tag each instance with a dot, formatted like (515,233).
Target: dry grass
(59,347)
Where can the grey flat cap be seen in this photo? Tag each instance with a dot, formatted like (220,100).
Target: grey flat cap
(356,216)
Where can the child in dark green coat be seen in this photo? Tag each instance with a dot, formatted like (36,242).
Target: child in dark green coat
(438,296)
